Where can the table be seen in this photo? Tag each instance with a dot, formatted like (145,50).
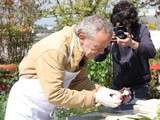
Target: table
(107,114)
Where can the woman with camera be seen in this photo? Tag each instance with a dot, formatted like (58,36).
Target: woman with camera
(131,49)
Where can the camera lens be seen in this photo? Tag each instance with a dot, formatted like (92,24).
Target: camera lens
(121,34)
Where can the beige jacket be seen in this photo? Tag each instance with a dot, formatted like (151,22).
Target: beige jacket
(48,59)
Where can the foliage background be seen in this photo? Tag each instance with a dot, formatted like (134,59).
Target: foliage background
(17,24)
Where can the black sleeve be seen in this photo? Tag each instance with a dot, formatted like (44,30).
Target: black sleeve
(102,56)
(146,46)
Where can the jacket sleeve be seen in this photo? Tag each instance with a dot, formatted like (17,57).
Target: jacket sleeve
(146,46)
(50,69)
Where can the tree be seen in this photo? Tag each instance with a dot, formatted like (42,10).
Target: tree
(72,11)
(16,24)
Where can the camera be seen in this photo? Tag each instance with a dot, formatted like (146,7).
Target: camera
(120,32)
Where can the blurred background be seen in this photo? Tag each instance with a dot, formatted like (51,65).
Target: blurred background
(24,22)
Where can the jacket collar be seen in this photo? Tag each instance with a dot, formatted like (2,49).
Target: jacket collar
(77,51)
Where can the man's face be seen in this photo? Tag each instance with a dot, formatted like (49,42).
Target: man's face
(97,45)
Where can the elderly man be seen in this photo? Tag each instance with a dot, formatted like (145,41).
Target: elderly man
(51,65)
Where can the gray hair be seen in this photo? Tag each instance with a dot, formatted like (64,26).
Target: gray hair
(91,25)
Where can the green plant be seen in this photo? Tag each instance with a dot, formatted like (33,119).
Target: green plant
(6,83)
(155,72)
(156,59)
(72,11)
(61,113)
(8,76)
(100,72)
(3,102)
(158,54)
(17,21)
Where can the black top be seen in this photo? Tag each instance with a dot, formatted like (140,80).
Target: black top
(131,67)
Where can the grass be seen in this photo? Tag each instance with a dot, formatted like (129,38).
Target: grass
(3,102)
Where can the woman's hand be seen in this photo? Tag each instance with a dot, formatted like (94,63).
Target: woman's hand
(127,42)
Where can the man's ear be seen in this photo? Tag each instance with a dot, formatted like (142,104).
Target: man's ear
(82,35)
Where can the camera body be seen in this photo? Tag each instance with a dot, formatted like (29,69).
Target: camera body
(120,32)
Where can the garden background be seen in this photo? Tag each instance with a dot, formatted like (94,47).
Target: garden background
(19,29)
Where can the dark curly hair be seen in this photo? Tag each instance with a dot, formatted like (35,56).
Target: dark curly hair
(124,13)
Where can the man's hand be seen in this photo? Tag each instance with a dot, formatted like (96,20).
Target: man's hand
(108,97)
